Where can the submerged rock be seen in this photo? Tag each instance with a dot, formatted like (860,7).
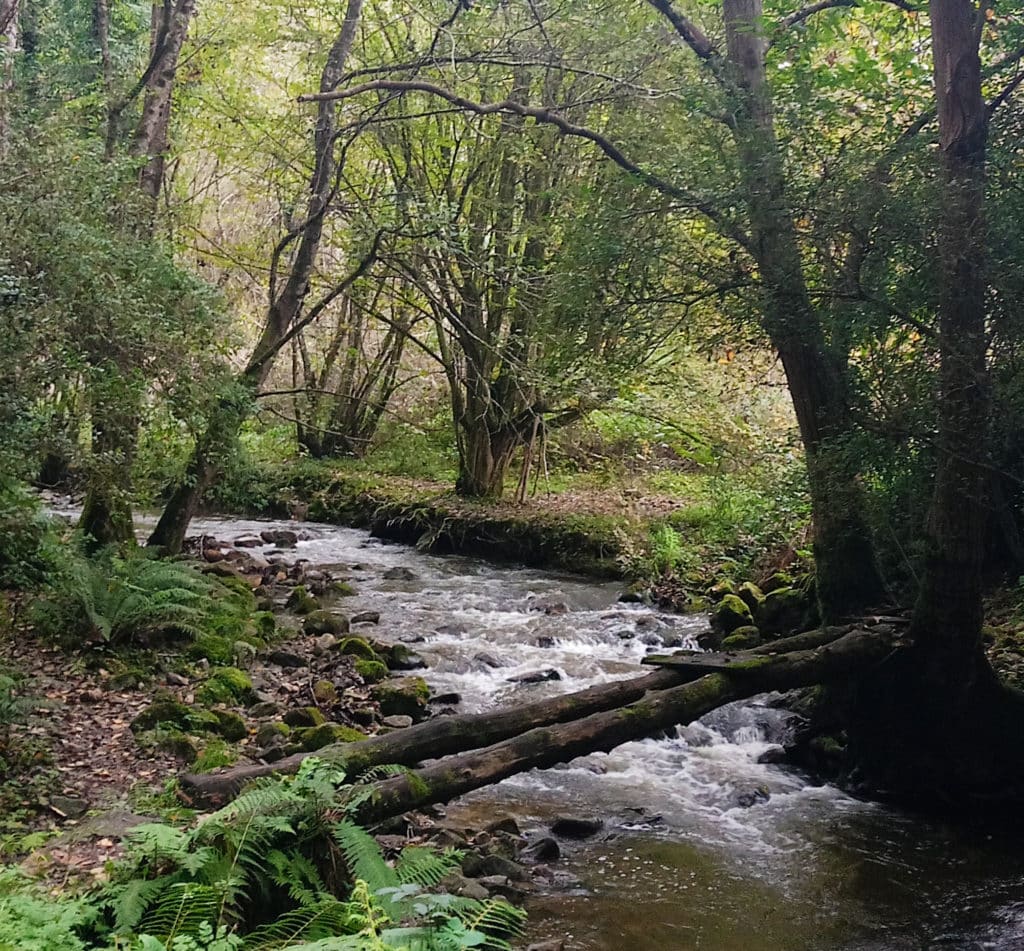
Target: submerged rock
(536,677)
(400,574)
(281,537)
(576,827)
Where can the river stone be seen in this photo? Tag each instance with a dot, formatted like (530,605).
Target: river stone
(400,574)
(366,617)
(480,866)
(447,699)
(743,638)
(544,849)
(397,721)
(488,660)
(782,611)
(325,622)
(281,537)
(265,708)
(399,657)
(576,827)
(287,659)
(751,595)
(536,677)
(249,541)
(746,798)
(545,641)
(774,754)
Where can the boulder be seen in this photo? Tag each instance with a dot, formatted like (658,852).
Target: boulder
(227,685)
(400,574)
(481,866)
(317,737)
(729,614)
(304,716)
(372,671)
(397,722)
(366,617)
(544,849)
(287,659)
(357,647)
(406,696)
(231,726)
(720,589)
(272,733)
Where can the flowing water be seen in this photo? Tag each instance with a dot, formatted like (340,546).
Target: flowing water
(681,862)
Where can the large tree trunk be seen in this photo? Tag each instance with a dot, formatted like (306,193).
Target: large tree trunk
(445,736)
(937,717)
(9,36)
(284,309)
(847,574)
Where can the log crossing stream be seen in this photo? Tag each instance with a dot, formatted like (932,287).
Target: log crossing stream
(703,847)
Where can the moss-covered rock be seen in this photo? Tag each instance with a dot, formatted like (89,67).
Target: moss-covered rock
(372,671)
(231,726)
(271,733)
(212,647)
(300,601)
(303,716)
(325,693)
(406,696)
(325,622)
(782,611)
(751,595)
(729,614)
(743,638)
(342,589)
(780,579)
(400,657)
(317,737)
(227,685)
(720,589)
(265,624)
(168,713)
(357,647)
(177,744)
(214,754)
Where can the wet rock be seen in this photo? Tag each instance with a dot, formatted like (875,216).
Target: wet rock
(506,826)
(281,537)
(447,699)
(397,722)
(558,608)
(625,634)
(545,641)
(774,754)
(249,541)
(317,737)
(576,827)
(488,660)
(635,594)
(536,677)
(782,610)
(721,589)
(366,617)
(399,657)
(544,849)
(232,727)
(69,807)
(287,659)
(325,622)
(552,944)
(272,754)
(480,866)
(400,574)
(745,798)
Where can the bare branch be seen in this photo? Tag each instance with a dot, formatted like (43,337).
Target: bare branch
(691,34)
(1005,93)
(811,9)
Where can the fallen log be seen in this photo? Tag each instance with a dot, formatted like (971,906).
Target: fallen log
(445,736)
(547,746)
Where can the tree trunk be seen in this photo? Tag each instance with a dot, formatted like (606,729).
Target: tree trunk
(284,309)
(9,37)
(445,736)
(152,135)
(847,574)
(106,516)
(484,459)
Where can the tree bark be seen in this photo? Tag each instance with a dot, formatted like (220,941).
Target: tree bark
(9,39)
(285,307)
(847,574)
(444,736)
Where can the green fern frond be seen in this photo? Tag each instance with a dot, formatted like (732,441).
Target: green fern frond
(424,866)
(327,918)
(180,910)
(362,855)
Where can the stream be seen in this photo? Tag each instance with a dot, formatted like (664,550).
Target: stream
(683,861)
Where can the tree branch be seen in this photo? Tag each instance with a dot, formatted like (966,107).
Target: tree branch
(807,12)
(691,34)
(546,116)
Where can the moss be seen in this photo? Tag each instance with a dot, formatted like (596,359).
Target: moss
(418,786)
(162,713)
(782,611)
(343,589)
(325,622)
(317,737)
(231,726)
(265,624)
(358,647)
(226,685)
(212,647)
(372,671)
(213,755)
(751,595)
(743,638)
(406,696)
(731,613)
(300,601)
(270,732)
(753,664)
(176,743)
(325,693)
(304,716)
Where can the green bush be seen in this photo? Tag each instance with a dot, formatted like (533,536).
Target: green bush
(29,547)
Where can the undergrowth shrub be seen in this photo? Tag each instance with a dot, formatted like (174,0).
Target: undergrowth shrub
(28,538)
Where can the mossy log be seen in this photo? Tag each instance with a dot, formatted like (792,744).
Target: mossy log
(547,746)
(446,736)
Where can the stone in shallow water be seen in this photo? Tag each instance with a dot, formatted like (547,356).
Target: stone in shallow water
(400,574)
(397,721)
(536,677)
(577,827)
